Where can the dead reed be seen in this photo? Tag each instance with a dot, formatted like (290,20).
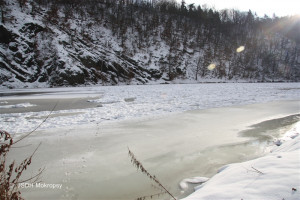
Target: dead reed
(140,167)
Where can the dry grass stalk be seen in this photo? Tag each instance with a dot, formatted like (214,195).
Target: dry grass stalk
(151,196)
(140,167)
(256,170)
(38,125)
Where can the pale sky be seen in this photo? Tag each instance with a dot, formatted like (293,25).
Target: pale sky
(261,7)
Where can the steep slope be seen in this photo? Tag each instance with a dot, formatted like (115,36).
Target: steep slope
(61,43)
(36,54)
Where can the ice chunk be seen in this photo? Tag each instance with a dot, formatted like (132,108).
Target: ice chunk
(131,99)
(21,105)
(195,180)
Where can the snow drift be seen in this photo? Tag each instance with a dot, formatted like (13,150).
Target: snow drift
(274,176)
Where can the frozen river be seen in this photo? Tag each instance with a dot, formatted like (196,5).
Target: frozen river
(22,110)
(177,131)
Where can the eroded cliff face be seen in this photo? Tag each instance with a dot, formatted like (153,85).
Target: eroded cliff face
(85,43)
(36,55)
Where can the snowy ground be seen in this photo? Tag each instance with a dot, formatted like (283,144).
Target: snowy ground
(129,102)
(274,176)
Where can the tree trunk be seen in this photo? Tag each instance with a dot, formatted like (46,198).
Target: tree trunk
(2,15)
(197,68)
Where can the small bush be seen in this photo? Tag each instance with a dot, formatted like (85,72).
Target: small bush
(10,173)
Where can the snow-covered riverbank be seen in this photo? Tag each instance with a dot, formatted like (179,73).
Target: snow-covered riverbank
(273,176)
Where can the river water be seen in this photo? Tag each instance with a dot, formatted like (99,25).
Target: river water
(91,161)
(175,131)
